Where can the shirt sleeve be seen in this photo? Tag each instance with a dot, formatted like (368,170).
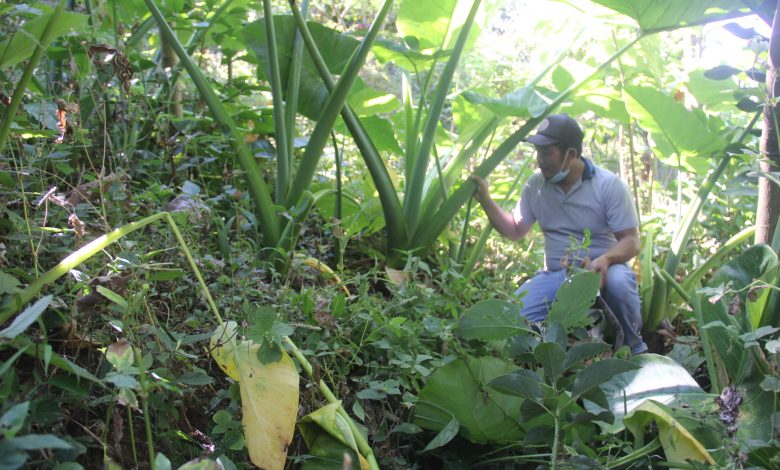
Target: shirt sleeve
(621,212)
(522,212)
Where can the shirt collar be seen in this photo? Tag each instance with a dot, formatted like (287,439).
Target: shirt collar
(590,169)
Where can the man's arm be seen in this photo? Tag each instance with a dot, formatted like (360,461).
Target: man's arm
(627,247)
(499,218)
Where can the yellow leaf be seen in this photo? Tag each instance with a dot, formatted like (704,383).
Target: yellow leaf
(269,396)
(678,443)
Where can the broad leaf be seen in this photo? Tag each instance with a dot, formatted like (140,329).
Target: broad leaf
(459,389)
(754,423)
(269,395)
(492,320)
(553,360)
(120,355)
(728,313)
(657,378)
(336,50)
(660,14)
(574,299)
(676,131)
(582,351)
(678,442)
(13,420)
(524,102)
(520,383)
(598,373)
(328,437)
(201,464)
(713,95)
(18,46)
(447,434)
(433,25)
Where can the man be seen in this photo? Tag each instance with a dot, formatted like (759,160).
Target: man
(569,196)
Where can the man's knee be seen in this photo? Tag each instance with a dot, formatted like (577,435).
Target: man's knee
(621,282)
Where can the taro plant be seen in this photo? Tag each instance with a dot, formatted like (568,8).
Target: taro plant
(734,423)
(540,404)
(279,227)
(431,195)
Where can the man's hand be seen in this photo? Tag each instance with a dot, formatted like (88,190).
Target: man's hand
(600,265)
(482,193)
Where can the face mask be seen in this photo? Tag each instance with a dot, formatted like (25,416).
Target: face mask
(562,174)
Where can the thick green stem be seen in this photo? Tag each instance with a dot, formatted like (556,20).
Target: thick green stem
(712,368)
(414,193)
(264,206)
(361,442)
(556,441)
(280,123)
(332,109)
(21,86)
(391,207)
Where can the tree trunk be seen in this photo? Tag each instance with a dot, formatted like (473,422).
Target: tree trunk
(768,192)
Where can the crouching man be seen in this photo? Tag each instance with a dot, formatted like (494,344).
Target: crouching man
(569,196)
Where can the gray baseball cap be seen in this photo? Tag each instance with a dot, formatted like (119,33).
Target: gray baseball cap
(557,128)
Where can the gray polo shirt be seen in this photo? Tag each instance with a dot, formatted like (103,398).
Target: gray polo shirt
(600,201)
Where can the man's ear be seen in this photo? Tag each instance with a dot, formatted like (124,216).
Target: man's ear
(573,150)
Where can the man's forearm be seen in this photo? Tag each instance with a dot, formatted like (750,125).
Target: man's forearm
(626,248)
(502,220)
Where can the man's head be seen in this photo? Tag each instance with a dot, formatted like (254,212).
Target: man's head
(560,130)
(558,141)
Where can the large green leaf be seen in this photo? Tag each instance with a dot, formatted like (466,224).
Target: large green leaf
(553,360)
(725,307)
(434,24)
(605,101)
(657,378)
(759,262)
(335,48)
(755,423)
(598,373)
(523,102)
(20,45)
(714,95)
(522,383)
(574,299)
(662,14)
(492,320)
(676,131)
(459,389)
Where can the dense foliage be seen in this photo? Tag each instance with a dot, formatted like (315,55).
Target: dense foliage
(241,233)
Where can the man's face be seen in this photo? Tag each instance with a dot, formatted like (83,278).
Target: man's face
(549,158)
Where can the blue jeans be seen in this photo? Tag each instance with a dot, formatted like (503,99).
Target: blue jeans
(619,292)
